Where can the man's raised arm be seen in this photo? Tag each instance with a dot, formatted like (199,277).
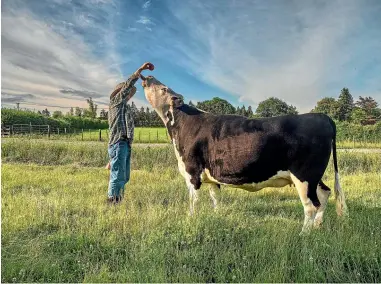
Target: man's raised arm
(129,84)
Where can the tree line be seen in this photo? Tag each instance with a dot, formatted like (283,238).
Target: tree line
(364,111)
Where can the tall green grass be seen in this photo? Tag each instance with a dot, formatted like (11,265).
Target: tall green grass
(92,154)
(143,157)
(56,227)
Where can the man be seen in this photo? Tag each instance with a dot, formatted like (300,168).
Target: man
(121,135)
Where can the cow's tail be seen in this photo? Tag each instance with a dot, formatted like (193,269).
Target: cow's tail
(341,206)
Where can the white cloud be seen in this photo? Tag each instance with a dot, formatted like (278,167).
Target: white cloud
(289,50)
(42,59)
(144,20)
(147,4)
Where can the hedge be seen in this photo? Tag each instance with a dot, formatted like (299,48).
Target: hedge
(13,116)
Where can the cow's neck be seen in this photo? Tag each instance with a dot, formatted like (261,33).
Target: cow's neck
(161,112)
(175,119)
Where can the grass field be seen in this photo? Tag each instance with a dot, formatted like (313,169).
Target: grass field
(56,226)
(159,135)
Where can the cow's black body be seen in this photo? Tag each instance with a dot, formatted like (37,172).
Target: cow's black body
(238,151)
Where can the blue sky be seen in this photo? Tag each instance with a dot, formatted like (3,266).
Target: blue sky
(59,52)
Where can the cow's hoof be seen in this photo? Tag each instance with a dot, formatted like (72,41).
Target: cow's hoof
(318,225)
(305,232)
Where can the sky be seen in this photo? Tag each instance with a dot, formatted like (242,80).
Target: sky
(57,53)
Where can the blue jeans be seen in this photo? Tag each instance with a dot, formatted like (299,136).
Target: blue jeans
(120,155)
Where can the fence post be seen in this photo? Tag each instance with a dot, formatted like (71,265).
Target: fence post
(90,134)
(30,129)
(12,130)
(82,134)
(74,133)
(48,131)
(139,135)
(157,135)
(149,136)
(364,138)
(100,135)
(65,130)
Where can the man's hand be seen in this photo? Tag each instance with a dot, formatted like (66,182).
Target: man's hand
(145,66)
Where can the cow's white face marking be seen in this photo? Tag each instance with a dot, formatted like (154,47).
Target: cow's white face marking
(282,178)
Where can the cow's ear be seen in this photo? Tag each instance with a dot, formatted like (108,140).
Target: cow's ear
(176,102)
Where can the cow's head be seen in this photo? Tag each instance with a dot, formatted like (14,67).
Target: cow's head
(161,98)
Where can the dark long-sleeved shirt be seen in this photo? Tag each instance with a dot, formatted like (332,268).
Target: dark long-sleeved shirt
(121,124)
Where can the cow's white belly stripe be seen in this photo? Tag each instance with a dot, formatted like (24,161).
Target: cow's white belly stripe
(192,191)
(181,164)
(282,178)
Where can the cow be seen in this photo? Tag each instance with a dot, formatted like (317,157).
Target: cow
(250,154)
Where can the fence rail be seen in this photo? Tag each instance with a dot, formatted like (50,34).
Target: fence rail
(141,135)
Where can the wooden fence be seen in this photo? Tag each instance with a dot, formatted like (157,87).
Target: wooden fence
(142,135)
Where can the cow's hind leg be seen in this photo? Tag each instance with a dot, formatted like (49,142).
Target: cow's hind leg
(193,196)
(212,193)
(323,193)
(304,190)
(193,185)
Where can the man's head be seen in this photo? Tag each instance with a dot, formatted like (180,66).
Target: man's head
(119,87)
(160,96)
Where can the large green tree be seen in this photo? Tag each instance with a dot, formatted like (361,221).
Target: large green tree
(368,104)
(70,112)
(45,112)
(216,106)
(103,114)
(274,107)
(249,112)
(370,107)
(92,110)
(57,114)
(345,105)
(327,106)
(78,111)
(358,116)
